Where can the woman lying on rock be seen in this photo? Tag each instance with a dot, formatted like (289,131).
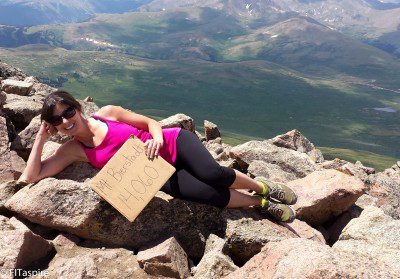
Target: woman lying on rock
(198,176)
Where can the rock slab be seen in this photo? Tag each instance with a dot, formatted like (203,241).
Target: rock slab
(20,247)
(325,194)
(167,259)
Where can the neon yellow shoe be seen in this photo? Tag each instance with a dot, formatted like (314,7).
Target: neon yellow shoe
(277,191)
(281,212)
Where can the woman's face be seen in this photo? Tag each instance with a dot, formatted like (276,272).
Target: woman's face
(68,126)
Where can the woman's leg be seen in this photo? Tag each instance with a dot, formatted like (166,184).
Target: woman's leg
(242,181)
(239,199)
(184,185)
(197,160)
(203,180)
(199,165)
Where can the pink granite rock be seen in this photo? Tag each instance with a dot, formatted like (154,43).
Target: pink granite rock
(296,141)
(247,232)
(11,165)
(16,87)
(385,186)
(302,258)
(167,259)
(19,246)
(325,194)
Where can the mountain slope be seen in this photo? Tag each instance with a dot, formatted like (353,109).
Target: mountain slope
(296,42)
(253,98)
(307,46)
(28,12)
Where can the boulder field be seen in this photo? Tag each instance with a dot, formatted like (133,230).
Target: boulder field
(347,222)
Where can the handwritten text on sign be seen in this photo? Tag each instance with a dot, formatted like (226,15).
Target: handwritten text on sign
(130,180)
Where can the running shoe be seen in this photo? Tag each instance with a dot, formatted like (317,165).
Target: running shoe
(281,212)
(277,191)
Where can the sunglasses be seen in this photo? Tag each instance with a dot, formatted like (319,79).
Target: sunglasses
(66,114)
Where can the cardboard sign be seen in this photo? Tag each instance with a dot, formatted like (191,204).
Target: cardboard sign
(130,179)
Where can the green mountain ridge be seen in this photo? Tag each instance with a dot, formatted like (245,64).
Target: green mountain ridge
(295,42)
(254,98)
(256,68)
(38,12)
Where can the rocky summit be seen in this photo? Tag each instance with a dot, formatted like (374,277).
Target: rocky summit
(347,222)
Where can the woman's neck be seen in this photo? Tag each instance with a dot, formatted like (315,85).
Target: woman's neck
(88,130)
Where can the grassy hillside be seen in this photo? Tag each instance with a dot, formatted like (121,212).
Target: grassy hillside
(253,69)
(368,159)
(253,98)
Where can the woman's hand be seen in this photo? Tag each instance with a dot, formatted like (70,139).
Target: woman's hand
(46,130)
(152,147)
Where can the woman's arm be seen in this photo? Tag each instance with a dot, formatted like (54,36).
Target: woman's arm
(34,163)
(140,121)
(36,169)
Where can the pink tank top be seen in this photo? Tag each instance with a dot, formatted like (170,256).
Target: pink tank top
(118,133)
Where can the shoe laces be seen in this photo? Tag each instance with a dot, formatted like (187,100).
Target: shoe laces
(276,210)
(278,193)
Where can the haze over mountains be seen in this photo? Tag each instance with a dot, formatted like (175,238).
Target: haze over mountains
(321,38)
(295,50)
(28,13)
(371,21)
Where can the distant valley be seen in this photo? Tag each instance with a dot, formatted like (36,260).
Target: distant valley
(256,68)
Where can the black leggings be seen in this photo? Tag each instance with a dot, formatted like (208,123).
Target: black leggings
(198,176)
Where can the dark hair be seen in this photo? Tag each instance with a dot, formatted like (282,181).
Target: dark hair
(57,97)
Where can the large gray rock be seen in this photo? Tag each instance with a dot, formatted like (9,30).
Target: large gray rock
(178,120)
(7,190)
(247,231)
(65,241)
(76,262)
(12,133)
(11,165)
(214,264)
(88,108)
(373,235)
(88,99)
(73,207)
(325,194)
(290,161)
(334,229)
(211,130)
(21,109)
(270,171)
(167,259)
(296,141)
(16,87)
(40,90)
(7,71)
(385,186)
(302,258)
(218,149)
(356,169)
(20,247)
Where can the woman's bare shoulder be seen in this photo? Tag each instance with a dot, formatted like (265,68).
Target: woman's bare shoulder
(108,111)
